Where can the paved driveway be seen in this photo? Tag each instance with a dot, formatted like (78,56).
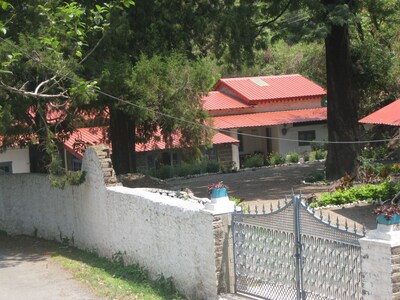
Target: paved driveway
(27,273)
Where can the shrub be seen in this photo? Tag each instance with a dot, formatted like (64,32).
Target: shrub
(374,153)
(292,157)
(276,159)
(306,156)
(317,155)
(190,169)
(368,192)
(212,166)
(254,161)
(315,176)
(315,146)
(165,172)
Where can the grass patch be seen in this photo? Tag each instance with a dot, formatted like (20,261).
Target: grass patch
(113,280)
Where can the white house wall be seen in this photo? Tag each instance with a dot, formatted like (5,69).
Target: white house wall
(253,140)
(285,147)
(19,158)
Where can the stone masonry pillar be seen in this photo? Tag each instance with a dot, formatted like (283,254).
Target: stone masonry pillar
(380,265)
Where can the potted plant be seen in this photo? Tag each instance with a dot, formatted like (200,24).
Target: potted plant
(389,212)
(220,203)
(217,190)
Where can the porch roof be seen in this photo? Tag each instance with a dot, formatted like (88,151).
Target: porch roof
(270,118)
(83,137)
(218,138)
(388,115)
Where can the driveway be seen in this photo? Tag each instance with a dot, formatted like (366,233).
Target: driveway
(27,272)
(266,186)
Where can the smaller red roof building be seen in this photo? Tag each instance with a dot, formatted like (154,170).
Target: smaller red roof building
(388,115)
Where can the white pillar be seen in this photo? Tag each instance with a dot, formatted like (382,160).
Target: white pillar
(377,264)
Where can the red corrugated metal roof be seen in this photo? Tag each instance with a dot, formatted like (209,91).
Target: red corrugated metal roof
(388,115)
(216,100)
(268,88)
(270,118)
(84,137)
(218,138)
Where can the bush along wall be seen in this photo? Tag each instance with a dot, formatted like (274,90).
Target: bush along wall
(368,192)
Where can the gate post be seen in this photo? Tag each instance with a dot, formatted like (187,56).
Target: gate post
(380,265)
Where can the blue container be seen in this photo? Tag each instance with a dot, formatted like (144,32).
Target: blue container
(219,193)
(394,220)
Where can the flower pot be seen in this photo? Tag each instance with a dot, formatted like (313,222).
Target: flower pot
(394,220)
(219,193)
(220,201)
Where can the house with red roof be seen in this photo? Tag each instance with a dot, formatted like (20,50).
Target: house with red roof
(268,114)
(250,115)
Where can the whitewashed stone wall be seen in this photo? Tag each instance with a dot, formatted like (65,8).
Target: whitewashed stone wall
(166,235)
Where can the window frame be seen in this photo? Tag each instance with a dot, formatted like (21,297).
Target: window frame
(306,135)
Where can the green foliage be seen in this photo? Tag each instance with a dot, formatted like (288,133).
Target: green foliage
(276,159)
(317,155)
(185,169)
(368,192)
(292,157)
(315,146)
(70,177)
(254,161)
(212,166)
(373,153)
(315,176)
(41,73)
(113,279)
(239,202)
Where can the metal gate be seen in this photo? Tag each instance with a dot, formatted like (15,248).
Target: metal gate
(291,253)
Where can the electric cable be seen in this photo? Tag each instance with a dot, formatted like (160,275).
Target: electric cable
(188,121)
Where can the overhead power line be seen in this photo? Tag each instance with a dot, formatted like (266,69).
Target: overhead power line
(189,121)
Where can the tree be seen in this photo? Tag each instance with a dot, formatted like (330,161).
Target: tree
(41,84)
(152,33)
(331,21)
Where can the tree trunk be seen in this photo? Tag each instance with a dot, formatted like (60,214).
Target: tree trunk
(122,133)
(342,105)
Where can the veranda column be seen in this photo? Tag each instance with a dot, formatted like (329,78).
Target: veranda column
(380,265)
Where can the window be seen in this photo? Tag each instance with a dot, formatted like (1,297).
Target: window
(76,164)
(304,136)
(6,167)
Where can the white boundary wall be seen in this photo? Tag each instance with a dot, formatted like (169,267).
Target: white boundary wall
(166,235)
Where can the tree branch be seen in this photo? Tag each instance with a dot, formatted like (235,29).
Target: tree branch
(33,94)
(43,83)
